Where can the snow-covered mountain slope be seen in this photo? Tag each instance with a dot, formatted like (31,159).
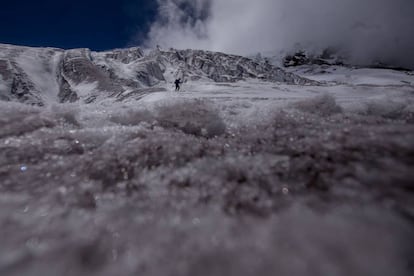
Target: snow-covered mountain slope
(354,75)
(29,74)
(43,75)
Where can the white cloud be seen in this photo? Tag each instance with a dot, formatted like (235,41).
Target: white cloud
(381,30)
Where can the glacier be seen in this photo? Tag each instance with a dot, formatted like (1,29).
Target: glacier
(251,169)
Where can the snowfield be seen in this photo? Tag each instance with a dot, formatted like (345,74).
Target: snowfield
(237,178)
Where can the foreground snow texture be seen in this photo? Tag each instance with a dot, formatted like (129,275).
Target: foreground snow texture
(245,178)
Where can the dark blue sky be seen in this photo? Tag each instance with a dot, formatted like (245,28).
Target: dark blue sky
(95,24)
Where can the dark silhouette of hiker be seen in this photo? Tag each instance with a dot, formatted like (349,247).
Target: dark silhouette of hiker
(177,84)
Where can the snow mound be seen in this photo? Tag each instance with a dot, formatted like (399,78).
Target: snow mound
(191,116)
(323,105)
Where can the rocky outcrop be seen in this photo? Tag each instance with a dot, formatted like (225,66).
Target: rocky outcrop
(16,86)
(22,88)
(220,67)
(78,69)
(125,56)
(327,57)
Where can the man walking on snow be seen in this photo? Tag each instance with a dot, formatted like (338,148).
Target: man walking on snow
(177,84)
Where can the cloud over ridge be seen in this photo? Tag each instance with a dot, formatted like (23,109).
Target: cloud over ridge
(365,30)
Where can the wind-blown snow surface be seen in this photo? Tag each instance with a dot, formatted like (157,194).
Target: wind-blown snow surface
(243,178)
